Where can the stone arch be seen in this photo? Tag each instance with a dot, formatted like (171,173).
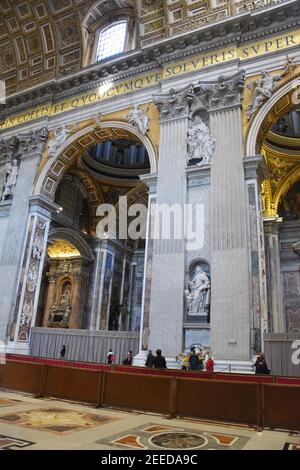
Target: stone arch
(279,104)
(79,142)
(74,238)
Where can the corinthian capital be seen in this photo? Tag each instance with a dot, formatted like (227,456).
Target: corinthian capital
(225,92)
(33,140)
(175,104)
(24,144)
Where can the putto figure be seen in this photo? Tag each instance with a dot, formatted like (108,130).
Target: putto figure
(201,144)
(264,87)
(60,134)
(138,118)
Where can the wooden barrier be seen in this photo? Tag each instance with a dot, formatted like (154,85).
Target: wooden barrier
(73,383)
(217,400)
(257,403)
(138,392)
(282,406)
(24,376)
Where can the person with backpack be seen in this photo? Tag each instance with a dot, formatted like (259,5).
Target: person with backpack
(193,360)
(260,365)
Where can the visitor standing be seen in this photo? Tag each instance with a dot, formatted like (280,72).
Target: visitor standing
(159,360)
(63,352)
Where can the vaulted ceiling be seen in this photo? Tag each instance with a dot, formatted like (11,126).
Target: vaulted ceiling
(40,40)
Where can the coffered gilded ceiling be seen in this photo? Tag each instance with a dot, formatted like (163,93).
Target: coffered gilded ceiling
(39,40)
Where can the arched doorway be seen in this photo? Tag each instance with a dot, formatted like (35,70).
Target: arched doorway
(94,167)
(275,133)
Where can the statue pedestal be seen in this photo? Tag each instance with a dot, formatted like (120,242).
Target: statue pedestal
(17,348)
(140,359)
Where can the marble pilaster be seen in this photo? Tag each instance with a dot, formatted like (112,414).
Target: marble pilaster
(168,265)
(255,172)
(230,301)
(274,289)
(30,273)
(27,148)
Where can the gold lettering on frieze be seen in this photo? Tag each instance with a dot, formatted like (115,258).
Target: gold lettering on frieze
(108,90)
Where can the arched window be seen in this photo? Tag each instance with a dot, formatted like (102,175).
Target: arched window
(112,40)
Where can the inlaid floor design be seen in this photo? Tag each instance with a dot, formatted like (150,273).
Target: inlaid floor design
(29,423)
(12,443)
(8,402)
(56,420)
(153,436)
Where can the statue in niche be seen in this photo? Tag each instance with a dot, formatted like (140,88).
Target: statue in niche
(201,144)
(60,134)
(60,314)
(12,171)
(264,87)
(138,118)
(198,292)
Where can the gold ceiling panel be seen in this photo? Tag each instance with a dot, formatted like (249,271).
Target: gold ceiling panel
(62,249)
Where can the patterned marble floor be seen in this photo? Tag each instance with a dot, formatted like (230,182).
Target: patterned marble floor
(27,423)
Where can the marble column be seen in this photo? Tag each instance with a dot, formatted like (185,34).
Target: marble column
(168,266)
(272,227)
(27,149)
(230,280)
(256,172)
(140,358)
(30,273)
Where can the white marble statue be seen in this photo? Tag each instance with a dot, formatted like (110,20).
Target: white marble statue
(201,144)
(263,88)
(196,294)
(138,118)
(12,171)
(60,134)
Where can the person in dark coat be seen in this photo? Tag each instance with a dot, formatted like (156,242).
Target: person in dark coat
(260,365)
(159,360)
(128,360)
(150,359)
(63,352)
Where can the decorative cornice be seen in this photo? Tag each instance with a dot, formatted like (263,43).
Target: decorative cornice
(224,92)
(175,104)
(239,29)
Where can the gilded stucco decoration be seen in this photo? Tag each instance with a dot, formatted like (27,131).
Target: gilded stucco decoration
(62,249)
(284,165)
